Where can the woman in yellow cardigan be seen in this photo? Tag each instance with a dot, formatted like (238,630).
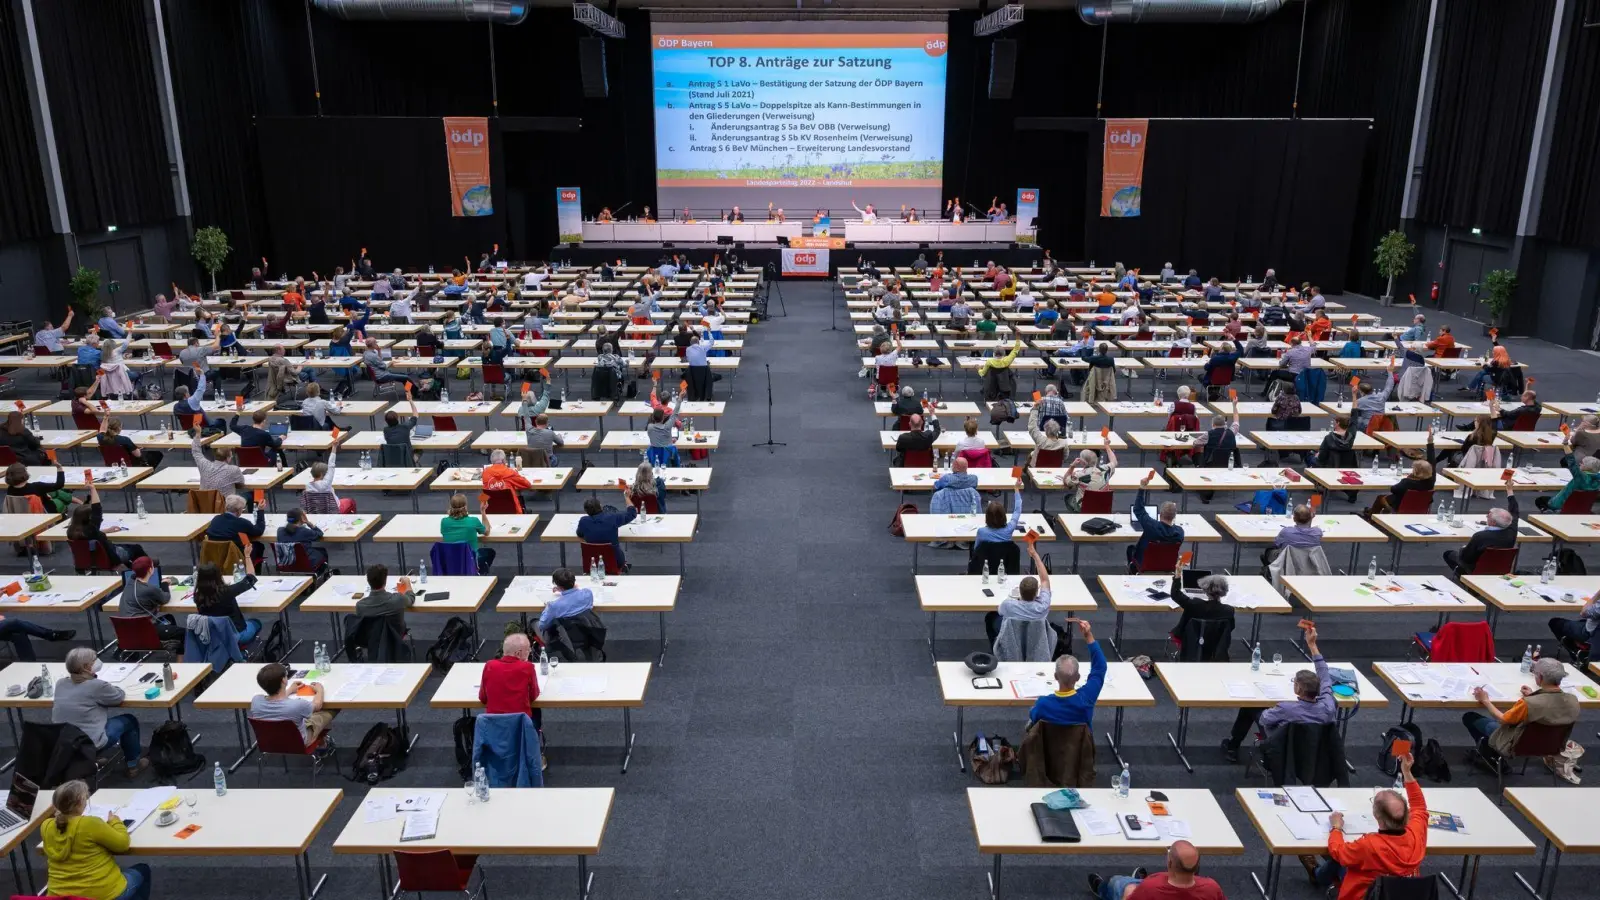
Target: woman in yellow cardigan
(80,848)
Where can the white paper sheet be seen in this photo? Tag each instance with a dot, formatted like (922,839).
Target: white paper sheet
(583,684)
(116,673)
(1032,687)
(420,825)
(1172,829)
(375,810)
(1306,799)
(1274,690)
(1094,821)
(422,801)
(1241,690)
(1303,826)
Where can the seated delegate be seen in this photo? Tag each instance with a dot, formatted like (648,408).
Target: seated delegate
(1313,702)
(81,700)
(597,526)
(1072,704)
(280,701)
(80,850)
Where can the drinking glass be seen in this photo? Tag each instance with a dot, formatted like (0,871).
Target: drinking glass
(1277,662)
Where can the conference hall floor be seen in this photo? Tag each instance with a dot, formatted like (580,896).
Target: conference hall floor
(794,746)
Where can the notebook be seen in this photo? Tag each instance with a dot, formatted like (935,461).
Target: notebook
(1055,825)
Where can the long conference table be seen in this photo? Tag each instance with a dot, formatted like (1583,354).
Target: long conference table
(689,231)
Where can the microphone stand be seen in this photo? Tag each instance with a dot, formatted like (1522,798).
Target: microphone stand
(769,443)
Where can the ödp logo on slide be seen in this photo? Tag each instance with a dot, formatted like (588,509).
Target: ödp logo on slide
(935,46)
(569,196)
(1125,136)
(805,259)
(467,136)
(1029,196)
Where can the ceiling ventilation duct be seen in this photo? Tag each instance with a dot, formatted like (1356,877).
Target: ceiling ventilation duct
(503,12)
(1219,12)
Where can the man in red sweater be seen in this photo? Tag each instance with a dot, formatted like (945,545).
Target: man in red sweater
(1397,848)
(510,684)
(1179,882)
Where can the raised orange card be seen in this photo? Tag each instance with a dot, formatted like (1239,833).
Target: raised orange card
(1185,557)
(484,498)
(336,432)
(527,387)
(21,407)
(1233,394)
(1315,502)
(1105,431)
(1036,396)
(1032,537)
(1016,471)
(261,496)
(88,476)
(51,455)
(238,401)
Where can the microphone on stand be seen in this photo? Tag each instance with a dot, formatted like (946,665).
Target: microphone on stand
(619,210)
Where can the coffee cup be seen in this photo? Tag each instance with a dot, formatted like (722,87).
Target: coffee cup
(166,817)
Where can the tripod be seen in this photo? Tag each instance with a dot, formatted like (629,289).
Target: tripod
(833,305)
(771,285)
(769,443)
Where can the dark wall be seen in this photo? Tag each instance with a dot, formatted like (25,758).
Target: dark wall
(24,211)
(1571,209)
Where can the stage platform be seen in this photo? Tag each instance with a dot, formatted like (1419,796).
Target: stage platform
(650,253)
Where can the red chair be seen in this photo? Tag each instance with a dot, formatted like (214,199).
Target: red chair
(1456,642)
(85,421)
(42,350)
(444,423)
(284,739)
(1100,503)
(7,456)
(89,557)
(493,374)
(1144,335)
(137,634)
(888,378)
(1177,352)
(1159,557)
(977,458)
(918,459)
(902,424)
(1496,561)
(185,420)
(438,871)
(302,564)
(1528,421)
(1578,503)
(603,552)
(114,455)
(649,503)
(162,349)
(1049,459)
(1451,353)
(1217,379)
(1415,503)
(503,502)
(255,457)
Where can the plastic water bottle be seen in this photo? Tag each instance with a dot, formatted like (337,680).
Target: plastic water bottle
(1372,568)
(37,568)
(1255,657)
(1547,573)
(985,569)
(1374,464)
(481,781)
(1527,660)
(238,571)
(1394,467)
(1000,571)
(49,683)
(1124,782)
(422,571)
(444,394)
(544,662)
(138,506)
(1511,460)
(1230,460)
(219,780)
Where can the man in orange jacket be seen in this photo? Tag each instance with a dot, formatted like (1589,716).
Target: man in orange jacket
(497,476)
(1397,848)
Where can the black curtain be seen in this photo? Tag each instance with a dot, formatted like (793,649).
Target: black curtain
(1571,210)
(1170,70)
(24,208)
(372,68)
(1491,68)
(1233,198)
(100,77)
(323,206)
(1363,58)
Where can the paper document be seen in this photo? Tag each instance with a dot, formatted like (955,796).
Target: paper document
(376,810)
(1306,799)
(424,801)
(1172,829)
(1241,690)
(141,805)
(1274,690)
(1093,821)
(582,684)
(1031,687)
(1302,825)
(390,676)
(421,825)
(115,673)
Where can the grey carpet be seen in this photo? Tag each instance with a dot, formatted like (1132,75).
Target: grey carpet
(794,745)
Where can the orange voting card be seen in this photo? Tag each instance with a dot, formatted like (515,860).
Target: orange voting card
(238,401)
(527,387)
(336,432)
(261,496)
(1185,557)
(1105,431)
(1016,471)
(186,832)
(1233,394)
(1036,396)
(1315,502)
(51,455)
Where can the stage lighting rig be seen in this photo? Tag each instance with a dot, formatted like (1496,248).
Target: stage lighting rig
(998,21)
(599,21)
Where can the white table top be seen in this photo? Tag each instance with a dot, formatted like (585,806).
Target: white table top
(1124,478)
(154,527)
(1264,529)
(68,593)
(467,593)
(963,526)
(352,477)
(1411,528)
(1249,593)
(1205,684)
(186,677)
(549,821)
(1024,682)
(621,593)
(423,528)
(272,594)
(1539,479)
(964,593)
(1002,818)
(1525,593)
(569,685)
(1354,593)
(994,479)
(668,528)
(1488,831)
(439,440)
(597,478)
(1560,814)
(16,526)
(1449,685)
(230,825)
(1195,527)
(185,478)
(237,686)
(1573,529)
(1370,479)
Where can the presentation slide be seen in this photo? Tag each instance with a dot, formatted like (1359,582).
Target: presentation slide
(800,115)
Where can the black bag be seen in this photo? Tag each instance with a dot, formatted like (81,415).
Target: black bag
(453,645)
(464,732)
(1100,525)
(172,753)
(1568,563)
(381,755)
(1405,731)
(906,509)
(1431,762)
(276,647)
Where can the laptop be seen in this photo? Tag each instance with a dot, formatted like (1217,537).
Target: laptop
(19,803)
(1192,578)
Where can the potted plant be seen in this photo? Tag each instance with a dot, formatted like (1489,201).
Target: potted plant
(1499,288)
(210,249)
(1393,257)
(85,290)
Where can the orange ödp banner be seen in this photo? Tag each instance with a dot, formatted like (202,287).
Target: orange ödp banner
(1122,167)
(466,141)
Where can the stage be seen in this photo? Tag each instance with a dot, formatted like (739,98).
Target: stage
(762,254)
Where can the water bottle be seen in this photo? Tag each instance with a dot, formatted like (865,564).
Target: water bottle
(1124,781)
(1394,467)
(1255,657)
(1230,460)
(985,570)
(168,681)
(1547,573)
(238,571)
(1372,568)
(1000,572)
(430,268)
(220,780)
(49,683)
(138,506)
(544,663)
(37,568)
(1511,460)
(1527,660)
(422,571)
(1374,464)
(444,394)
(1536,651)
(481,779)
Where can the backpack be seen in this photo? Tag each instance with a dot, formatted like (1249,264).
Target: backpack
(906,509)
(1431,762)
(1405,731)
(276,647)
(381,754)
(997,764)
(464,732)
(453,645)
(1568,563)
(172,753)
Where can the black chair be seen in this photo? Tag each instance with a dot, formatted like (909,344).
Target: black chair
(1397,887)
(377,639)
(1304,753)
(994,553)
(397,456)
(1205,640)
(579,638)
